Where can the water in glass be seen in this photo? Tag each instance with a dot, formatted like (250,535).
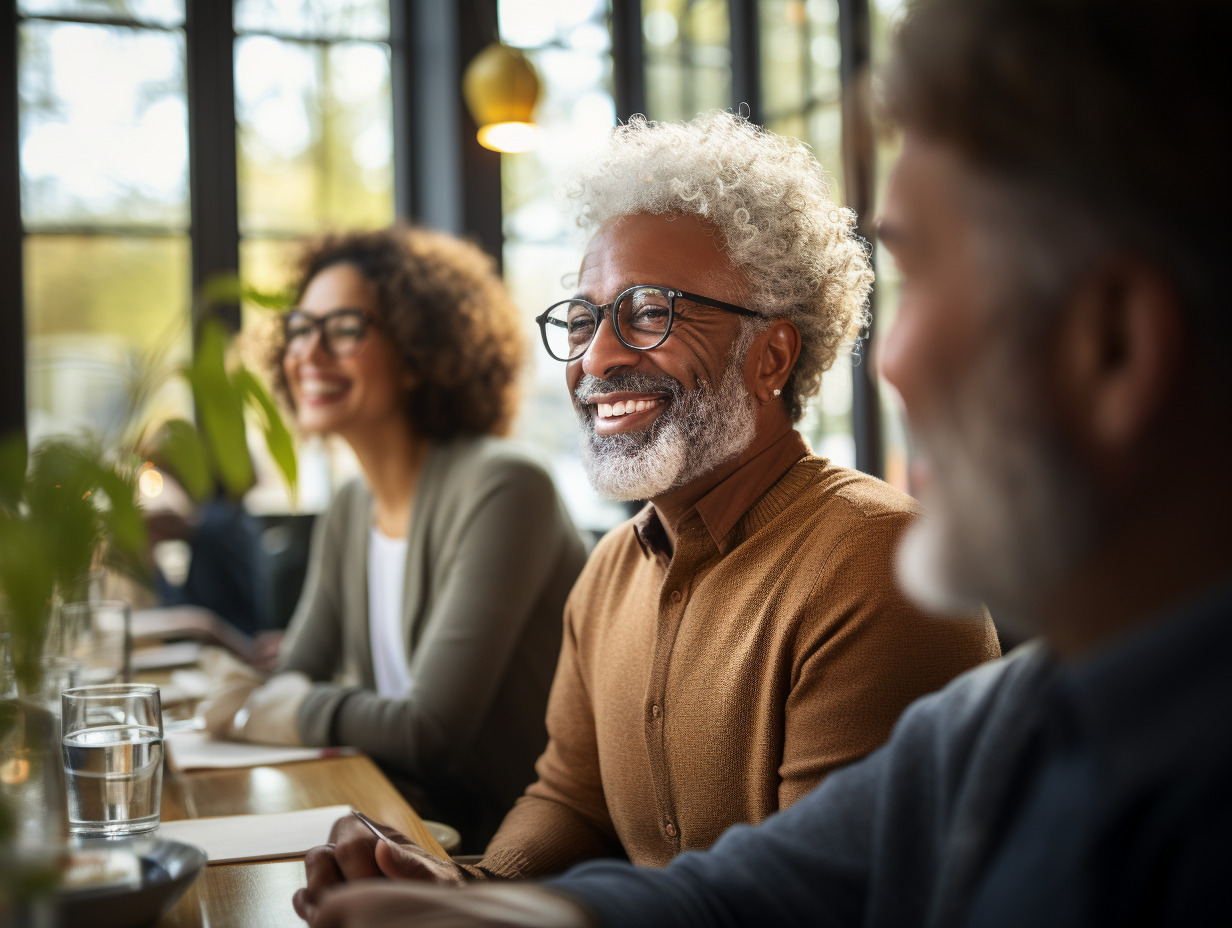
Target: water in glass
(114,779)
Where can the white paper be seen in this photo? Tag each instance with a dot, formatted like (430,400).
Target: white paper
(197,750)
(166,656)
(231,838)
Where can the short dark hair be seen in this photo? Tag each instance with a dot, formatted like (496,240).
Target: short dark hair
(449,317)
(1118,107)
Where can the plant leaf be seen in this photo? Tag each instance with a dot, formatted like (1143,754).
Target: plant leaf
(219,410)
(278,437)
(180,450)
(227,288)
(123,523)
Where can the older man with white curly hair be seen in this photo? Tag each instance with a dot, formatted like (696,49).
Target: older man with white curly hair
(742,636)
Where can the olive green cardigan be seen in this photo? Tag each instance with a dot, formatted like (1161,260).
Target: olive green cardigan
(491,557)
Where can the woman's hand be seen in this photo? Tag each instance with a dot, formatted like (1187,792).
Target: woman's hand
(231,683)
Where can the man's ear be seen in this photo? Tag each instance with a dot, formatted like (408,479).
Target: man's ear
(771,359)
(1120,352)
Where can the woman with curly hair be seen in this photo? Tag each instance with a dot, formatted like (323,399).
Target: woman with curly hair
(436,582)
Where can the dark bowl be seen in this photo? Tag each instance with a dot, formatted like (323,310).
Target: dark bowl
(168,868)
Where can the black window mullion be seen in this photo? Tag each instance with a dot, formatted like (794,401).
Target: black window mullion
(746,57)
(401,64)
(12,324)
(451,181)
(628,58)
(213,188)
(858,182)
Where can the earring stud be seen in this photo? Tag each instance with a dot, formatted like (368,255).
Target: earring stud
(777,392)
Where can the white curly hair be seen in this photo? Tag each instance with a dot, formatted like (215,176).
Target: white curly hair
(769,199)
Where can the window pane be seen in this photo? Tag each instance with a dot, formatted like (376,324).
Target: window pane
(824,132)
(784,58)
(99,311)
(688,57)
(315,135)
(110,151)
(154,12)
(351,19)
(535,23)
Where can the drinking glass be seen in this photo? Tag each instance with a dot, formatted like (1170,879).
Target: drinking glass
(113,758)
(102,631)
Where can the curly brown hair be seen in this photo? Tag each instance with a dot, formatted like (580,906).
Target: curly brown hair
(449,317)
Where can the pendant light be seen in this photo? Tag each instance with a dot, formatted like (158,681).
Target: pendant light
(501,89)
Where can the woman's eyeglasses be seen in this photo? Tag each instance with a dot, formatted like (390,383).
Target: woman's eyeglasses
(642,318)
(342,331)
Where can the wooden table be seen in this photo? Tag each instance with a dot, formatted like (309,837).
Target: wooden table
(259,894)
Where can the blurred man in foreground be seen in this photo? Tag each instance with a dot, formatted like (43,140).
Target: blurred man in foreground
(1059,214)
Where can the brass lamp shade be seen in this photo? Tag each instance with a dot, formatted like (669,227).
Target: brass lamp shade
(501,89)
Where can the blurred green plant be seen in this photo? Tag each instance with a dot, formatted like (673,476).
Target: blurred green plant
(70,505)
(64,509)
(213,452)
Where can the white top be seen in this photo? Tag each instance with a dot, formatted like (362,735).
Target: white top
(386,573)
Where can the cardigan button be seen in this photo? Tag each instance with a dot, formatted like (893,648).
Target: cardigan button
(656,710)
(676,596)
(671,830)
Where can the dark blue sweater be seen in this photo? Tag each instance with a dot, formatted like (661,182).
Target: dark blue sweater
(1028,792)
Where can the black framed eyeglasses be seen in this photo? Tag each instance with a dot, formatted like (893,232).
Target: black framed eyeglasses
(342,331)
(642,318)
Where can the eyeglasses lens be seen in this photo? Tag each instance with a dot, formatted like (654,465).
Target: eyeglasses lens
(341,333)
(643,316)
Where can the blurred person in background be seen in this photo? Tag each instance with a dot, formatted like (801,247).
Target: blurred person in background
(429,624)
(742,636)
(1059,216)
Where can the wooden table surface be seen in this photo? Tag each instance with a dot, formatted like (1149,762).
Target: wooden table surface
(259,894)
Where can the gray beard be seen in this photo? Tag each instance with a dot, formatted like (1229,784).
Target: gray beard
(1008,511)
(697,431)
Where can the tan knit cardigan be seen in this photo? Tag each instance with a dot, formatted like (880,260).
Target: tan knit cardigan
(721,684)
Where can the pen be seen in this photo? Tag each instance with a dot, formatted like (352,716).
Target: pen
(372,827)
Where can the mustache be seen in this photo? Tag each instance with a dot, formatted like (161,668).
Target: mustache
(629,381)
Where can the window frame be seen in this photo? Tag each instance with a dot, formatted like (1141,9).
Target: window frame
(430,43)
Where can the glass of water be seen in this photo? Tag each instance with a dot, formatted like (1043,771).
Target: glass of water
(113,758)
(101,635)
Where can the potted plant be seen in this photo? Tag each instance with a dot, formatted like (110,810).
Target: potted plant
(69,506)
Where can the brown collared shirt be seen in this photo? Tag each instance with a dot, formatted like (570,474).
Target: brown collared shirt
(721,683)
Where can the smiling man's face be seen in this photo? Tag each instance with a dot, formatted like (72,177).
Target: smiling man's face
(656,420)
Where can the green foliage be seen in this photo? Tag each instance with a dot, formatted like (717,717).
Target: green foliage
(223,289)
(277,436)
(71,504)
(220,410)
(217,449)
(179,449)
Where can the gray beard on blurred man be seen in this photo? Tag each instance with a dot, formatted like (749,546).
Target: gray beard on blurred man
(1008,511)
(697,431)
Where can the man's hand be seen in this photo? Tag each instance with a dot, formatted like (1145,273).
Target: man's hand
(354,853)
(493,905)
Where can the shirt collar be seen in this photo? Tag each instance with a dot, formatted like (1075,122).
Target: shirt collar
(723,506)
